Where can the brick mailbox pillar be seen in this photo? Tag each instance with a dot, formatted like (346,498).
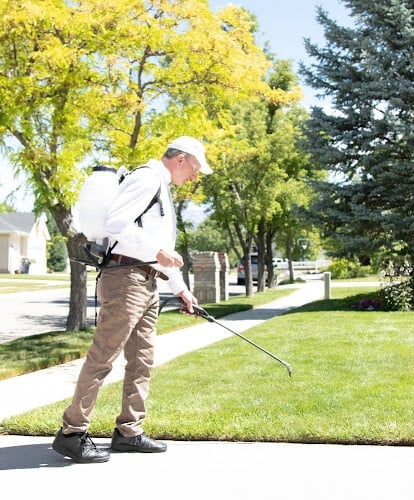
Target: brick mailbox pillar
(206,269)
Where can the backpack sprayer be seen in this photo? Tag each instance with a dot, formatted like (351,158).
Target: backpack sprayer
(97,194)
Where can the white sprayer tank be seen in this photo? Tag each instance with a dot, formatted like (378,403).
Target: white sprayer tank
(97,194)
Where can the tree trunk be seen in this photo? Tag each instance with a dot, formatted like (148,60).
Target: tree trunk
(261,268)
(248,280)
(271,276)
(77,317)
(248,277)
(184,251)
(245,241)
(289,256)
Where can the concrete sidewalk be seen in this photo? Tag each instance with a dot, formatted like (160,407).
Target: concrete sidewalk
(29,468)
(196,470)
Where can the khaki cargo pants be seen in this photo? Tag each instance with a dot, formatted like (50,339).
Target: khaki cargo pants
(127,319)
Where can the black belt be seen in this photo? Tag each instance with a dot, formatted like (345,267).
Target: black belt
(124,260)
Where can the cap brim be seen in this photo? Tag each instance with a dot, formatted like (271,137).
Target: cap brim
(206,169)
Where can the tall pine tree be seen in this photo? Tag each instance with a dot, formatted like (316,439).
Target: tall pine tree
(365,141)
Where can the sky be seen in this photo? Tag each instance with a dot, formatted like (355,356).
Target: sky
(285,23)
(282,23)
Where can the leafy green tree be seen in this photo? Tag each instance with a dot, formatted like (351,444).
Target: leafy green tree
(245,173)
(293,192)
(365,140)
(255,184)
(114,80)
(261,171)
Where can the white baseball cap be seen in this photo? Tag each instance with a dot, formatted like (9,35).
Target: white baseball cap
(193,147)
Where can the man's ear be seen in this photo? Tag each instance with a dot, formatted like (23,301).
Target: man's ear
(181,158)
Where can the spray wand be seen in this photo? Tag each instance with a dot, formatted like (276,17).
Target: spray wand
(199,311)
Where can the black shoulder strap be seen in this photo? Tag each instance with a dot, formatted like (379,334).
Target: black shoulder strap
(156,199)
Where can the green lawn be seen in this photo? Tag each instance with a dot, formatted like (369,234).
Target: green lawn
(352,383)
(12,283)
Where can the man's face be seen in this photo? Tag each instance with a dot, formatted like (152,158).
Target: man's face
(187,169)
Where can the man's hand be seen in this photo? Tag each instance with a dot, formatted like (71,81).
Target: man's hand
(169,259)
(188,298)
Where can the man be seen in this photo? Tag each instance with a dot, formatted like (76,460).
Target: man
(129,300)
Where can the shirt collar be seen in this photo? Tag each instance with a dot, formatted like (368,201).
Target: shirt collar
(161,169)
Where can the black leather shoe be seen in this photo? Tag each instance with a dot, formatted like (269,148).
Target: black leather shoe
(80,447)
(140,444)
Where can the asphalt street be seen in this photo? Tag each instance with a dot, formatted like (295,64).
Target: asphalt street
(30,313)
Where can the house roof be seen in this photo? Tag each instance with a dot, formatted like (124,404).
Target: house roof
(17,222)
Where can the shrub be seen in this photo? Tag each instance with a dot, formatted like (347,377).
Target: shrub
(398,296)
(346,269)
(397,293)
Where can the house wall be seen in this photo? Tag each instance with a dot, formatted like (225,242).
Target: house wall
(17,250)
(4,253)
(36,246)
(10,251)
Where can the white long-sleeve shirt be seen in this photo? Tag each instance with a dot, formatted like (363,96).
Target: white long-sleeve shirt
(157,232)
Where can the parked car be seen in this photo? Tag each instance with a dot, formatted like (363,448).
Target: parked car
(279,263)
(255,270)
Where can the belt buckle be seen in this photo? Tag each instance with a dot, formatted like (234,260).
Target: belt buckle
(117,259)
